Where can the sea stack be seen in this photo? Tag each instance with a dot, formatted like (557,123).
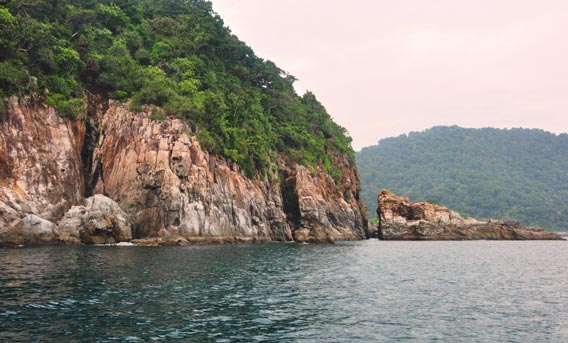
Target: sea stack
(401,219)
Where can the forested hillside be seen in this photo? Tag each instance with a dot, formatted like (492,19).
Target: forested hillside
(176,55)
(486,173)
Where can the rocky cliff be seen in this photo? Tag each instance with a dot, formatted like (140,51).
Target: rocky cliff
(400,219)
(119,175)
(40,171)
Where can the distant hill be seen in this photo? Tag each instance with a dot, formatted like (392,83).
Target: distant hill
(520,174)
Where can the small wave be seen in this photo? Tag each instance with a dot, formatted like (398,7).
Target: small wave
(8,313)
(121,244)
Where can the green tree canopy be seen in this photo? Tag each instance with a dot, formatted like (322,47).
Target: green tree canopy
(177,55)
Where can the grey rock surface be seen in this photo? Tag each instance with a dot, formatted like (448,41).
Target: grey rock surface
(99,221)
(29,230)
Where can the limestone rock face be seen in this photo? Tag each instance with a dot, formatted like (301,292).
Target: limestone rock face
(400,219)
(99,221)
(158,173)
(40,162)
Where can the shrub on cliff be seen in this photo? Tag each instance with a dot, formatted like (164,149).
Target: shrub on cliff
(174,54)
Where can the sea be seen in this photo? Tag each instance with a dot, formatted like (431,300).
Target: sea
(366,291)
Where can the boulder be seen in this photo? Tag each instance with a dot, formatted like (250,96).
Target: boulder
(99,221)
(30,230)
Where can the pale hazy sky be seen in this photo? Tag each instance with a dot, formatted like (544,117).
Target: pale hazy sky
(387,67)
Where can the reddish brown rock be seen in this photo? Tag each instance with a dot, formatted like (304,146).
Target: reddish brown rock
(159,175)
(40,163)
(400,219)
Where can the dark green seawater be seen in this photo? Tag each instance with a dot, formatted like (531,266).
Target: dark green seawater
(366,291)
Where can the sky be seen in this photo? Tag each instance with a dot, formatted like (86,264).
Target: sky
(383,68)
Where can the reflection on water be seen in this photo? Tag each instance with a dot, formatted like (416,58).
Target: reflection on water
(351,292)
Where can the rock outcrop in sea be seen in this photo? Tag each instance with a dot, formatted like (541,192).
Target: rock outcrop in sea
(119,176)
(400,219)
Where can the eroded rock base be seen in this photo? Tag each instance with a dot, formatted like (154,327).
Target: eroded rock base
(400,219)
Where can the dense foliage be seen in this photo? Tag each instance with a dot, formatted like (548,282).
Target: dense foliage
(486,173)
(176,55)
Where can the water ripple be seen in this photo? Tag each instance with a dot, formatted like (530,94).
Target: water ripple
(351,292)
